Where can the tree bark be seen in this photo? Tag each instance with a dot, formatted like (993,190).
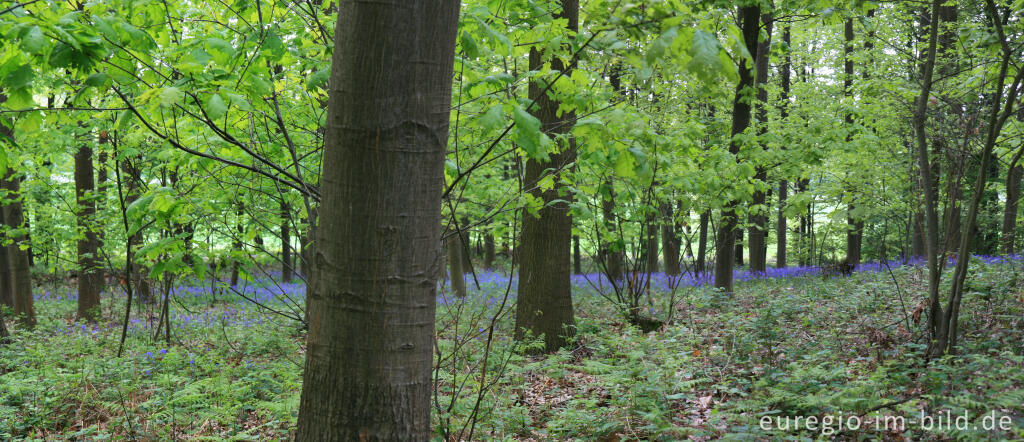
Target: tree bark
(651,245)
(577,265)
(489,251)
(780,225)
(1013,179)
(6,283)
(455,260)
(371,316)
(544,304)
(702,243)
(750,17)
(17,259)
(286,243)
(89,273)
(612,258)
(758,229)
(670,242)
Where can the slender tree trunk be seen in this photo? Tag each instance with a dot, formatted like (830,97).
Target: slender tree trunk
(236,247)
(725,249)
(544,304)
(738,249)
(489,251)
(702,242)
(143,294)
(371,316)
(457,275)
(758,229)
(670,243)
(946,338)
(785,72)
(6,282)
(1013,179)
(651,245)
(286,243)
(89,274)
(612,258)
(577,266)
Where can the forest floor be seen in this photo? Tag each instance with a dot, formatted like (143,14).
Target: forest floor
(843,350)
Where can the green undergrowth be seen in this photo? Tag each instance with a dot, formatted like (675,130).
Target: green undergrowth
(833,349)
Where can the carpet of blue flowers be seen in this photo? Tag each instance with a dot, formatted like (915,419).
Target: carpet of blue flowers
(791,342)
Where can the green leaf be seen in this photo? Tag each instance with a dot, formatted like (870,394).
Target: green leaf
(319,79)
(493,118)
(216,107)
(96,80)
(528,134)
(170,96)
(33,41)
(20,78)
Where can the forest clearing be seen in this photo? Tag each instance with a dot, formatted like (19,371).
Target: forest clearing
(520,220)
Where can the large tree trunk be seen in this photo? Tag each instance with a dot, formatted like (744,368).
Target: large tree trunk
(544,304)
(371,315)
(750,17)
(89,273)
(17,259)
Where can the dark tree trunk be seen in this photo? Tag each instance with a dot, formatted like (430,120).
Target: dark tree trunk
(236,247)
(738,248)
(577,266)
(612,258)
(467,251)
(489,251)
(781,232)
(17,259)
(670,243)
(286,243)
(457,275)
(702,242)
(854,225)
(1013,179)
(757,232)
(750,17)
(544,304)
(142,293)
(371,316)
(651,245)
(89,273)
(6,284)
